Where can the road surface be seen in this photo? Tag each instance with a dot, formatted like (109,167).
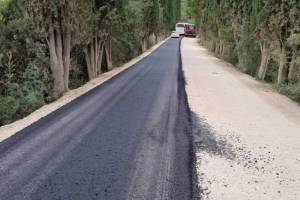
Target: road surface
(127,139)
(247,135)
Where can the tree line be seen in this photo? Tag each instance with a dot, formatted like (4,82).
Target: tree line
(262,37)
(50,46)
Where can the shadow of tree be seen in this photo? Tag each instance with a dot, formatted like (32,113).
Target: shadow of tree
(205,139)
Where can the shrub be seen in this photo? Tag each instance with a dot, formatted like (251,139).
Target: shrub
(20,99)
(8,109)
(291,90)
(30,102)
(32,81)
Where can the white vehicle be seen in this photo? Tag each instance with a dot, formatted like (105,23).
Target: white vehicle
(175,34)
(180,28)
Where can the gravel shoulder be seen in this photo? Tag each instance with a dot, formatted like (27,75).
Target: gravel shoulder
(247,136)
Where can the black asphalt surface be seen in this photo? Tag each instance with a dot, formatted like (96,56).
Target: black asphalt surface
(126,139)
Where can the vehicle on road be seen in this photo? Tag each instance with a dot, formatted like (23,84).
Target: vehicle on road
(186,29)
(190,30)
(175,34)
(180,28)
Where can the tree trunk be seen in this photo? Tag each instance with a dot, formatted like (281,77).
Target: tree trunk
(282,71)
(63,49)
(56,65)
(293,68)
(88,63)
(222,46)
(220,49)
(265,56)
(101,57)
(225,51)
(217,48)
(156,38)
(59,44)
(108,53)
(144,44)
(93,55)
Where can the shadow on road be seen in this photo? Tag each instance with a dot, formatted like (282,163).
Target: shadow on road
(205,139)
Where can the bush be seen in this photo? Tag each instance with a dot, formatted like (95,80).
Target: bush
(32,81)
(20,99)
(30,103)
(8,109)
(291,90)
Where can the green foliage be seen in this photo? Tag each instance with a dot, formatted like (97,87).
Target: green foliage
(9,70)
(20,99)
(294,39)
(138,20)
(226,35)
(291,90)
(31,102)
(3,7)
(248,51)
(32,81)
(297,61)
(186,11)
(8,109)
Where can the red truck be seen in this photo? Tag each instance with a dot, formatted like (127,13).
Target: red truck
(190,30)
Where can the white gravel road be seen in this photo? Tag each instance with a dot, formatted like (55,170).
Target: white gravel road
(247,135)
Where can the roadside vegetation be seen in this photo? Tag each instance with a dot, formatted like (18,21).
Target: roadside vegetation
(260,37)
(48,47)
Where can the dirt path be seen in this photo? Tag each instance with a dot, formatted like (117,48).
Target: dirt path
(247,136)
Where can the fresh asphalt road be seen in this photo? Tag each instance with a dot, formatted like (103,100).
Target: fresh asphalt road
(126,139)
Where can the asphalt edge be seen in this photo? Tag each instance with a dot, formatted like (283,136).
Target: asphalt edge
(196,188)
